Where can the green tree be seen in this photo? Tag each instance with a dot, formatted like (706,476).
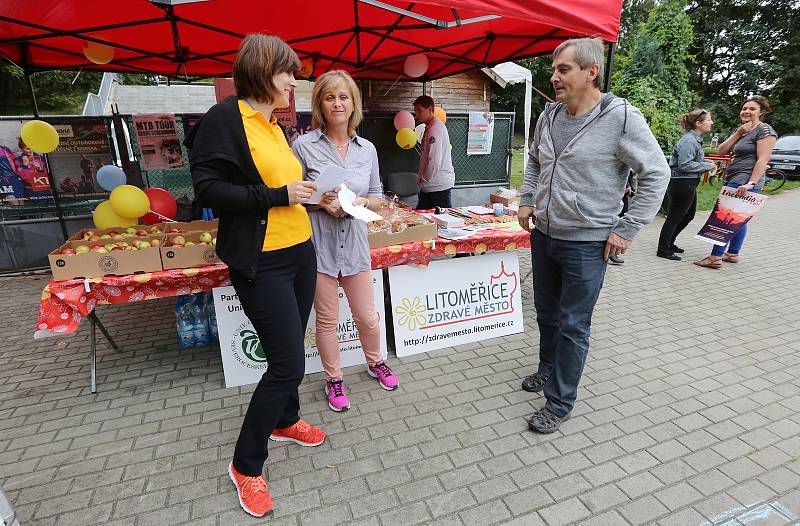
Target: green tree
(654,75)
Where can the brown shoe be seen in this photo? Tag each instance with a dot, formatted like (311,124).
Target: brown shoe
(714,262)
(730,258)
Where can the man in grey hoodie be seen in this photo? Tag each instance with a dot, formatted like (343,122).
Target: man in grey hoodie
(583,148)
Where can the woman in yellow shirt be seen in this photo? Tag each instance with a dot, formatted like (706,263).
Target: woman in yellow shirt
(243,168)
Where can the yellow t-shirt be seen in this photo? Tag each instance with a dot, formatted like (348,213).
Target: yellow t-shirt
(286,225)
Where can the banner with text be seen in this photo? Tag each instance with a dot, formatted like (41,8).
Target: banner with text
(83,149)
(455,301)
(158,140)
(23,172)
(731,212)
(243,357)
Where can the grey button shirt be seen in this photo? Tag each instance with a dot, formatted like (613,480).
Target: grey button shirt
(341,243)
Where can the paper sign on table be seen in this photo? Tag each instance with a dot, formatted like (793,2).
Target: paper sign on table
(346,198)
(329,178)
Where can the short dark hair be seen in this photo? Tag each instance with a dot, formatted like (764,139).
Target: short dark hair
(259,58)
(425,101)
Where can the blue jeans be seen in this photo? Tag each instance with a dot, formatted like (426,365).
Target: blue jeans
(567,278)
(737,240)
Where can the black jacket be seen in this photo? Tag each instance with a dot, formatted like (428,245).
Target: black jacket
(226,179)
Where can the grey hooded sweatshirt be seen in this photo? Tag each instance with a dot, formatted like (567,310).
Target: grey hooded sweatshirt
(577,194)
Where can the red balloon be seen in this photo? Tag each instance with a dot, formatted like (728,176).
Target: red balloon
(162,203)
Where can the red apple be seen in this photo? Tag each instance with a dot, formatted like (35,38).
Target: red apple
(69,251)
(141,233)
(178,240)
(117,247)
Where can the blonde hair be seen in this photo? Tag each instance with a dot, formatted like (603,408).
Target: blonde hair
(690,120)
(327,83)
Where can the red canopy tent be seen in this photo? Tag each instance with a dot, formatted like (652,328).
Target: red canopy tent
(369,38)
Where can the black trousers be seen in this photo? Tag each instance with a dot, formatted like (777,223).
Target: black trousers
(682,206)
(278,303)
(430,200)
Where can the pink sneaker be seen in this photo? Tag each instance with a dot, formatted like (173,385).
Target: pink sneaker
(337,398)
(385,376)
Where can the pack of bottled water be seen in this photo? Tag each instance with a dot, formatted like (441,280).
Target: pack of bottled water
(195,320)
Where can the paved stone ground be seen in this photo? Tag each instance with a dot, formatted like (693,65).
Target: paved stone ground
(687,415)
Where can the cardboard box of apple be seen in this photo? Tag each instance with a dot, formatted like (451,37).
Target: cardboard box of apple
(190,249)
(106,256)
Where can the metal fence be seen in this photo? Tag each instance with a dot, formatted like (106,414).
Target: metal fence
(493,168)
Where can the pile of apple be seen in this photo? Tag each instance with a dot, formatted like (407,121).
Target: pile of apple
(205,239)
(110,247)
(91,235)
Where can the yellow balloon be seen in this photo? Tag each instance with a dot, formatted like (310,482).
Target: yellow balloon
(129,201)
(439,112)
(39,136)
(406,138)
(98,53)
(105,217)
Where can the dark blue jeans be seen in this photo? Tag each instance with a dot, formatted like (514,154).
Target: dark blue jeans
(430,200)
(567,278)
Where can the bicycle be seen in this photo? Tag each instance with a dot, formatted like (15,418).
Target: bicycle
(775,179)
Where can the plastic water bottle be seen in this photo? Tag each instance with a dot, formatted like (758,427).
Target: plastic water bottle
(201,336)
(211,316)
(184,322)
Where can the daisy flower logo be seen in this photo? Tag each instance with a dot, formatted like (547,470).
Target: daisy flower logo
(411,313)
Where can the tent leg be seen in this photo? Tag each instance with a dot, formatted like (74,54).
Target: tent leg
(53,188)
(609,66)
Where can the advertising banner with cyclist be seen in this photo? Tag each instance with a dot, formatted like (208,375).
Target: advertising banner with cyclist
(731,212)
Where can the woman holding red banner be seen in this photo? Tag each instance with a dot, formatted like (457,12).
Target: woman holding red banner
(750,147)
(243,168)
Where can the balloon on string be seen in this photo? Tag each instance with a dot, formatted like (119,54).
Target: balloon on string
(406,138)
(306,68)
(420,132)
(110,177)
(104,216)
(416,65)
(39,136)
(162,206)
(440,114)
(129,201)
(98,53)
(403,119)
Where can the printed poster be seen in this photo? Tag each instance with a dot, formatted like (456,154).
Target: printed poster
(455,301)
(730,214)
(224,88)
(158,139)
(480,133)
(23,172)
(83,149)
(243,358)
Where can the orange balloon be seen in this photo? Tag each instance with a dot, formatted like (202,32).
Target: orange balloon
(98,53)
(306,68)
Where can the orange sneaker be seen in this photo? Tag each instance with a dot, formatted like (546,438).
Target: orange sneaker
(253,493)
(299,433)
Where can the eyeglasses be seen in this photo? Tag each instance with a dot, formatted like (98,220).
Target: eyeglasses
(703,112)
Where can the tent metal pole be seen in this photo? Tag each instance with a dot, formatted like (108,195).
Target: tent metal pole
(609,66)
(53,188)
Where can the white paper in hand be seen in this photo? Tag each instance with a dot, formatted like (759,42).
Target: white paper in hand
(329,178)
(346,198)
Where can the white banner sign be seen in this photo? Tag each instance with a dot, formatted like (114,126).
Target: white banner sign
(455,301)
(243,358)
